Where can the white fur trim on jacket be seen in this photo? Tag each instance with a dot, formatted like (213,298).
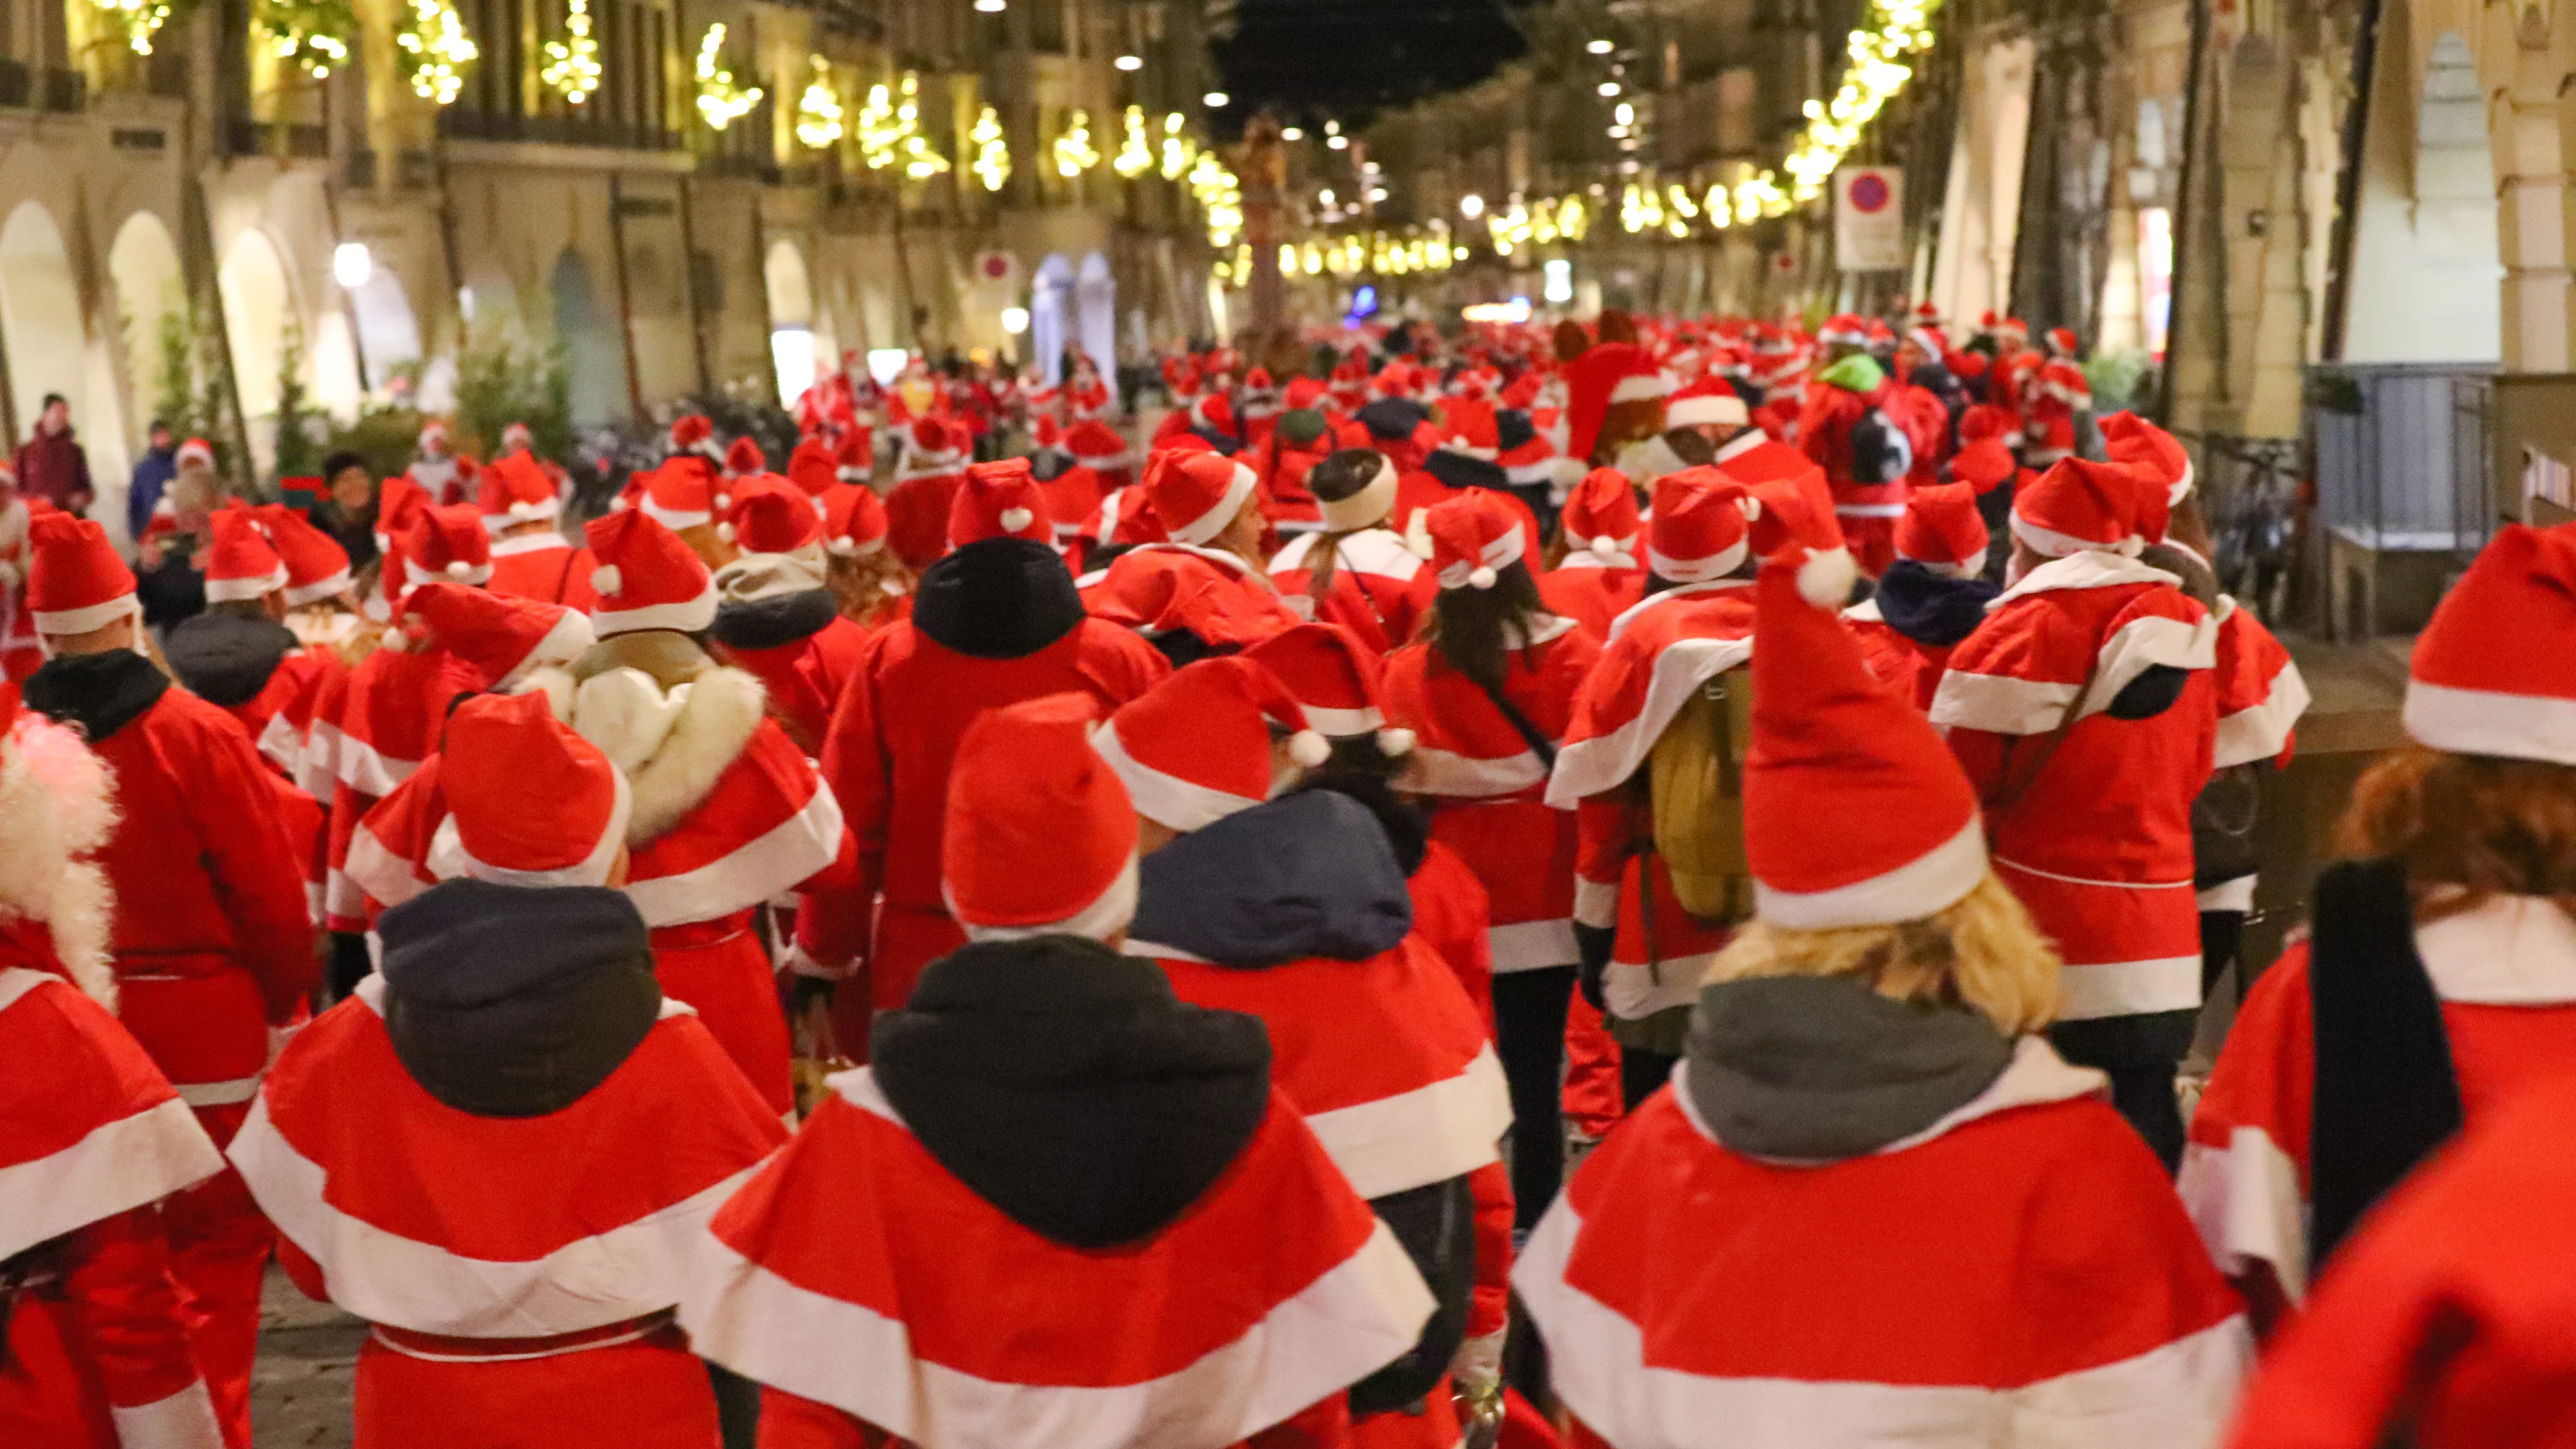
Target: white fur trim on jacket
(57,806)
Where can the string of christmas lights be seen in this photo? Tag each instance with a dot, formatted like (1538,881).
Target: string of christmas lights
(992,163)
(720,100)
(434,50)
(314,34)
(572,68)
(1135,147)
(818,110)
(1073,151)
(141,20)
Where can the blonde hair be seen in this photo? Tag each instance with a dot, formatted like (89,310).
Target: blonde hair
(1981,951)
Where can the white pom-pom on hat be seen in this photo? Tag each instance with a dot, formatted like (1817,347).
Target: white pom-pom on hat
(1309,749)
(1393,741)
(606,579)
(723,502)
(1825,579)
(724,530)
(1604,547)
(458,568)
(619,504)
(1015,519)
(1482,578)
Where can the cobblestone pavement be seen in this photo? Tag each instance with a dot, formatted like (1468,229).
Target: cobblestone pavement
(299,1390)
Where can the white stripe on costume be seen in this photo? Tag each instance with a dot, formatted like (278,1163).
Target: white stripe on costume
(1430,1134)
(184,1420)
(2263,731)
(119,1165)
(792,850)
(1603,762)
(1531,945)
(1460,777)
(2245,1200)
(2000,704)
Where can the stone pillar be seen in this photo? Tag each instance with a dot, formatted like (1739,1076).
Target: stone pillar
(2531,210)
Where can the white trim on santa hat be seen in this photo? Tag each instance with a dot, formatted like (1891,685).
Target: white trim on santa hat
(415,576)
(228,591)
(1364,509)
(521,510)
(1500,552)
(1639,386)
(1208,525)
(1706,409)
(298,595)
(1107,915)
(2490,722)
(1335,723)
(1921,887)
(1167,800)
(2049,543)
(88,617)
(591,870)
(672,518)
(687,616)
(1700,571)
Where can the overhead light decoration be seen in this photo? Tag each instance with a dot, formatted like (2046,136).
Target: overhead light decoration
(1073,151)
(992,163)
(1599,47)
(1539,223)
(920,161)
(818,110)
(1608,88)
(890,131)
(434,51)
(1216,100)
(720,100)
(1129,62)
(313,34)
(992,7)
(1212,183)
(1135,146)
(1890,34)
(1292,133)
(1177,150)
(572,68)
(1471,206)
(139,19)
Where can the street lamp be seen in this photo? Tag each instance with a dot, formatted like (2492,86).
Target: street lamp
(1292,133)
(1338,143)
(1129,62)
(1609,88)
(1015,320)
(351,265)
(1216,100)
(1599,47)
(992,7)
(1471,206)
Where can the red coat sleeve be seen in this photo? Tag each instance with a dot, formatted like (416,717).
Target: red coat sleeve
(832,928)
(124,1315)
(250,856)
(1489,1309)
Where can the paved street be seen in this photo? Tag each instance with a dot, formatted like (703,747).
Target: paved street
(299,1393)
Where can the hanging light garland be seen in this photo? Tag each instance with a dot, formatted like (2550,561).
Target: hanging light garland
(992,164)
(1540,223)
(1891,33)
(139,19)
(1135,146)
(313,34)
(1386,253)
(1178,152)
(435,51)
(920,161)
(1074,153)
(721,101)
(818,110)
(890,132)
(1219,195)
(572,64)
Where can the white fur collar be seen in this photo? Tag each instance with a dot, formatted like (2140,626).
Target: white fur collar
(57,805)
(2505,951)
(680,741)
(2091,568)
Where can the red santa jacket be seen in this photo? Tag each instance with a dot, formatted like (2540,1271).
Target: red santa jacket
(2090,815)
(2261,693)
(804,678)
(1158,588)
(1381,590)
(1825,427)
(2446,1311)
(1271,1293)
(917,515)
(886,759)
(2052,394)
(1452,914)
(92,1137)
(1659,652)
(1489,785)
(2505,974)
(212,941)
(544,567)
(1592,590)
(1911,666)
(2045,1287)
(388,722)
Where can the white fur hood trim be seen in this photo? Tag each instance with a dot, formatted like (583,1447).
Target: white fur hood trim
(674,745)
(57,805)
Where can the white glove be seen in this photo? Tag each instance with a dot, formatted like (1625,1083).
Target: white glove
(1477,1369)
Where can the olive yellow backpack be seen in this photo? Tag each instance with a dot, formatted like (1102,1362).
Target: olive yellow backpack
(1696,784)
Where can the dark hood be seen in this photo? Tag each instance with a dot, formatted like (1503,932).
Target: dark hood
(1303,876)
(776,620)
(1407,829)
(1929,608)
(1393,419)
(1513,429)
(1226,444)
(1068,1087)
(1821,1068)
(1003,598)
(225,659)
(101,693)
(509,1001)
(1460,471)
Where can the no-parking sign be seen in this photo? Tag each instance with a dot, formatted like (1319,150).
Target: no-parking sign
(1869,218)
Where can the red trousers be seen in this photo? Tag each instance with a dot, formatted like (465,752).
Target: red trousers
(1593,1099)
(719,970)
(219,1247)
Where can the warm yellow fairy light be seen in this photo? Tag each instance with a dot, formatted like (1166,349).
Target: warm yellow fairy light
(992,163)
(720,101)
(139,19)
(920,161)
(1219,195)
(436,51)
(572,68)
(818,110)
(1073,151)
(1178,153)
(1135,146)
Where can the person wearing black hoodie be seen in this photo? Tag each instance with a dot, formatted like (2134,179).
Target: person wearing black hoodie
(1047,1133)
(502,1152)
(994,622)
(1933,596)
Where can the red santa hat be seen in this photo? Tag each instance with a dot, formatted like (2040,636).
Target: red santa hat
(1855,812)
(1196,494)
(1941,529)
(195,450)
(530,803)
(75,581)
(317,567)
(857,455)
(693,433)
(1475,535)
(2493,673)
(1702,526)
(931,447)
(1983,464)
(1793,521)
(240,561)
(1303,393)
(769,515)
(447,543)
(1095,444)
(517,435)
(1612,372)
(682,495)
(1601,517)
(1040,837)
(813,468)
(1212,412)
(1845,329)
(1334,676)
(1196,748)
(1124,519)
(515,488)
(647,578)
(1467,428)
(2062,342)
(854,522)
(999,500)
(1706,403)
(744,458)
(1045,433)
(399,500)
(499,636)
(2079,504)
(1523,392)
(2140,444)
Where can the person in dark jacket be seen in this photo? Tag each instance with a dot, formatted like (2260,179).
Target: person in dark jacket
(347,511)
(51,464)
(152,473)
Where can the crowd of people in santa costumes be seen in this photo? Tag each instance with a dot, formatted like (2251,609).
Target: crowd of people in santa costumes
(1716,835)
